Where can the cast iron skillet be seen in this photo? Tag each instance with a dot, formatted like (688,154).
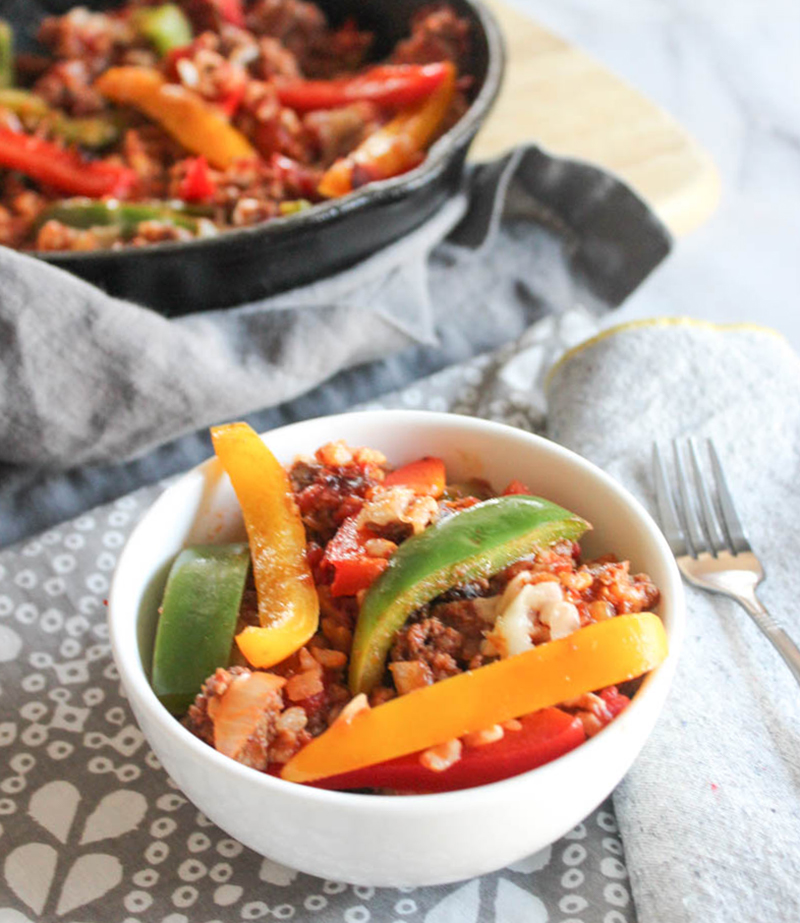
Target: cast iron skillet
(249,263)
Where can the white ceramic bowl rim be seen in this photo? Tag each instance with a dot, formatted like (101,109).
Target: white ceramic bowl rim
(126,651)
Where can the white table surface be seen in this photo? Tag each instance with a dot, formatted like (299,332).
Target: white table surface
(730,73)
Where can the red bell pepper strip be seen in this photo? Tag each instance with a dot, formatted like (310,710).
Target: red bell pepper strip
(391,86)
(231,101)
(197,184)
(425,477)
(232,11)
(517,487)
(170,63)
(615,700)
(543,736)
(354,569)
(61,168)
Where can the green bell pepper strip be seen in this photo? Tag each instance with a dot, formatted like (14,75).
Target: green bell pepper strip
(7,68)
(93,132)
(165,27)
(86,213)
(198,620)
(474,543)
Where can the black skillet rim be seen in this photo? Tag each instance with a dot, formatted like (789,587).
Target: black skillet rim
(382,192)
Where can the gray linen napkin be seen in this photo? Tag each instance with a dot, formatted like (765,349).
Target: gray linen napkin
(86,378)
(710,814)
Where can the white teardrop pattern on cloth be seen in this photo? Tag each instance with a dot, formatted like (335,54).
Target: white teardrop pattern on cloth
(54,806)
(91,828)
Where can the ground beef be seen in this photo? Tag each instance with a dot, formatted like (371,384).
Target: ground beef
(335,52)
(54,236)
(612,583)
(445,636)
(204,14)
(293,22)
(157,232)
(431,642)
(206,71)
(82,34)
(437,34)
(336,132)
(273,129)
(462,615)
(273,60)
(558,558)
(67,85)
(327,494)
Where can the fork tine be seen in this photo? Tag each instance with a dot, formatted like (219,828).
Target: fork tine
(733,526)
(707,516)
(670,523)
(696,537)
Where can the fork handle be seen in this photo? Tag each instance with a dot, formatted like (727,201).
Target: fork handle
(781,641)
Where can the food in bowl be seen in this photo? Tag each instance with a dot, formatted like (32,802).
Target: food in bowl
(159,122)
(397,633)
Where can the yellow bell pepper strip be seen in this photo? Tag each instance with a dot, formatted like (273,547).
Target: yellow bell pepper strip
(237,714)
(471,544)
(288,605)
(193,122)
(394,148)
(599,655)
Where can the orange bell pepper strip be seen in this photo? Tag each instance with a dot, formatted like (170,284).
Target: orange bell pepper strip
(288,605)
(593,657)
(394,148)
(425,477)
(193,122)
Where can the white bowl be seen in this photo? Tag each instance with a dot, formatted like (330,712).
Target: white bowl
(384,840)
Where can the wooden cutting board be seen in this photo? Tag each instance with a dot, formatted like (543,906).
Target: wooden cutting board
(559,97)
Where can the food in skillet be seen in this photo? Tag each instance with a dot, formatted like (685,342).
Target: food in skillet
(385,630)
(156,122)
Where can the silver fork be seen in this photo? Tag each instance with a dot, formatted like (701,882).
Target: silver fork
(713,552)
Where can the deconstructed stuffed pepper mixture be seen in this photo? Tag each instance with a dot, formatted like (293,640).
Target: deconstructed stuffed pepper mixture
(385,630)
(159,121)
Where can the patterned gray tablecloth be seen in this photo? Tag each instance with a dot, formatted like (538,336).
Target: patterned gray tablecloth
(92,829)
